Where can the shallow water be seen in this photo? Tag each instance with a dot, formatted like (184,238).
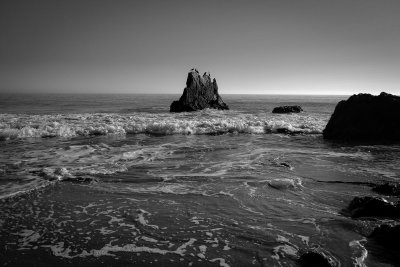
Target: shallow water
(215,188)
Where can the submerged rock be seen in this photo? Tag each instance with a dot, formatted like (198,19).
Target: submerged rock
(54,174)
(387,189)
(287,131)
(287,109)
(372,207)
(285,183)
(316,259)
(200,93)
(62,174)
(365,117)
(284,164)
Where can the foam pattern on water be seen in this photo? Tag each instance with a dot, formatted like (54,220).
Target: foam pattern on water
(80,161)
(205,122)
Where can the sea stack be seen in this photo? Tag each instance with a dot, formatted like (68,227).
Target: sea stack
(365,117)
(200,93)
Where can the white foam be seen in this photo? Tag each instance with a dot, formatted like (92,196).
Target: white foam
(203,248)
(60,250)
(182,249)
(195,220)
(142,220)
(283,251)
(54,173)
(282,239)
(82,162)
(149,239)
(10,190)
(360,253)
(27,237)
(202,253)
(105,231)
(105,251)
(225,193)
(70,125)
(176,189)
(226,247)
(304,239)
(221,261)
(114,219)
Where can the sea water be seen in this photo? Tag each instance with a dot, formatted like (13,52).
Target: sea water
(118,180)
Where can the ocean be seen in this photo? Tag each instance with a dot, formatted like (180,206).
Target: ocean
(118,180)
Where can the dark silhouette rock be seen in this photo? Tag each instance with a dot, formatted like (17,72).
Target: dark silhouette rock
(316,259)
(387,235)
(383,244)
(365,117)
(387,189)
(200,93)
(372,207)
(287,109)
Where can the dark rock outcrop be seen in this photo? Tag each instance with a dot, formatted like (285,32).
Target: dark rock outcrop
(316,259)
(365,117)
(387,235)
(383,244)
(372,207)
(200,93)
(387,189)
(287,109)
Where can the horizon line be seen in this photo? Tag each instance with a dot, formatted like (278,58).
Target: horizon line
(105,93)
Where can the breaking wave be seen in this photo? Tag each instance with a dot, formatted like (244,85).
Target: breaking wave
(204,122)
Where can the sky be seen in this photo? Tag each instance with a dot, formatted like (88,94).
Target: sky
(250,47)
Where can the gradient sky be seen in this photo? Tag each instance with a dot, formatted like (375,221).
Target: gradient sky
(261,47)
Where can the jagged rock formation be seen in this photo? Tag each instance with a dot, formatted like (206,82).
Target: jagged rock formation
(366,117)
(372,207)
(200,93)
(384,243)
(316,258)
(287,109)
(387,235)
(388,189)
